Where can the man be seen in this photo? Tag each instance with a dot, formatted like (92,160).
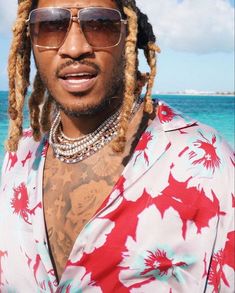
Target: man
(107,193)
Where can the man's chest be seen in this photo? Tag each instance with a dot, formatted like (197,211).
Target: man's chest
(71,196)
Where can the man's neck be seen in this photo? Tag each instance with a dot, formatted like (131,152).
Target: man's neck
(75,127)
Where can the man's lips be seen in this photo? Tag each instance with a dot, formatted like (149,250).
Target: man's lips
(79,78)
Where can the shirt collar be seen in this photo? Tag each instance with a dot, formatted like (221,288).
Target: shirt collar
(172,119)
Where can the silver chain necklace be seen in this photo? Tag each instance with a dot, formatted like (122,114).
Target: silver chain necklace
(74,150)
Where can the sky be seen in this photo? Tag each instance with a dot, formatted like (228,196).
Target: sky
(196,39)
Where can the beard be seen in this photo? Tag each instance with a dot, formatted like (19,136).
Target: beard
(88,110)
(114,89)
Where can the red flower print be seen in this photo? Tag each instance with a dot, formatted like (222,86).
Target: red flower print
(143,145)
(2,254)
(64,288)
(222,257)
(29,260)
(183,151)
(12,160)
(190,203)
(52,273)
(182,131)
(216,272)
(229,250)
(20,203)
(27,133)
(68,289)
(50,286)
(210,159)
(45,148)
(120,184)
(159,261)
(165,113)
(36,266)
(233,201)
(29,156)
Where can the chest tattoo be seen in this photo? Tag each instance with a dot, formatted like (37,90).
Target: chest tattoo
(72,193)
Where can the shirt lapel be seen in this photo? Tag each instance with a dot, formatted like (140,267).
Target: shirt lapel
(153,143)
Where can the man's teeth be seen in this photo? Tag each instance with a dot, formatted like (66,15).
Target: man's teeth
(87,75)
(78,78)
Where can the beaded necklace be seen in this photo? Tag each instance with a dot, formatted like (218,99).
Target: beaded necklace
(74,150)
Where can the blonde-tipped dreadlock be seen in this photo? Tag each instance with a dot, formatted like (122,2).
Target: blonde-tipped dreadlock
(18,71)
(140,36)
(150,54)
(130,78)
(35,101)
(46,111)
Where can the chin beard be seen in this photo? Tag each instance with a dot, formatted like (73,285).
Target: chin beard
(89,110)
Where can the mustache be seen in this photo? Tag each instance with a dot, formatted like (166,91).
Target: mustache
(73,62)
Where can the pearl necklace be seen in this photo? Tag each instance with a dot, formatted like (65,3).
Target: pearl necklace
(73,150)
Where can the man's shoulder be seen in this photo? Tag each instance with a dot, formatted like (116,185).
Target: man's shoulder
(190,142)
(184,128)
(192,153)
(27,143)
(28,150)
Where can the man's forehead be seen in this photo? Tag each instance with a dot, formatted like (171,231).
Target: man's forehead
(75,3)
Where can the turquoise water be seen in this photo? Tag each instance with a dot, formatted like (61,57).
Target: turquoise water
(216,111)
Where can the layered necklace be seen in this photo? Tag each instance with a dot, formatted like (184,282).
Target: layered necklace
(73,150)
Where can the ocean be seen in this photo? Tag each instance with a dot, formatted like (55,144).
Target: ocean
(216,111)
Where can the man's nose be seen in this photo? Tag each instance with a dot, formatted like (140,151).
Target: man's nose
(75,44)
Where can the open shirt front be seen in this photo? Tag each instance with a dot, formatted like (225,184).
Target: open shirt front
(167,225)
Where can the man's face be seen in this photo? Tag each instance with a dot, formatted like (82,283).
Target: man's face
(81,79)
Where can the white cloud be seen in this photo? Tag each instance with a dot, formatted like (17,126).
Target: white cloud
(197,26)
(8,12)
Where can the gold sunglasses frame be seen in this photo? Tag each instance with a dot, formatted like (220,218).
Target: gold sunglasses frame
(74,18)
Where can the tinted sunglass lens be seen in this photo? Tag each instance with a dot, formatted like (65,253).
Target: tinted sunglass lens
(48,27)
(101,27)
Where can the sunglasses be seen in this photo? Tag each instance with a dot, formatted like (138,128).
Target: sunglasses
(49,27)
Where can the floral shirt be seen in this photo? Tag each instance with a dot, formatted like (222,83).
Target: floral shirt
(166,227)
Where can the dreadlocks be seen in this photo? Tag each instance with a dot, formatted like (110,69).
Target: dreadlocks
(18,72)
(140,36)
